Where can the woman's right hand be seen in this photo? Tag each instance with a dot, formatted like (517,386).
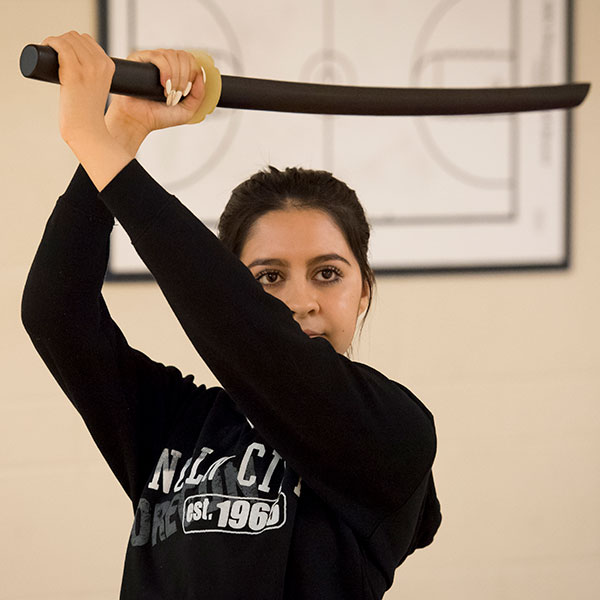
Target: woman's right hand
(85,73)
(130,119)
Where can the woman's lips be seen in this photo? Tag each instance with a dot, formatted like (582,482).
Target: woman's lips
(311,333)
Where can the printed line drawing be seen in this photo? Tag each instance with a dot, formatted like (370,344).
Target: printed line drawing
(441,193)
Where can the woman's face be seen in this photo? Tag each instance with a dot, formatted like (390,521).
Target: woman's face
(301,257)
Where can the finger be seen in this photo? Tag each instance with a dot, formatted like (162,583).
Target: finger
(81,52)
(67,54)
(63,45)
(193,71)
(173,60)
(185,62)
(73,46)
(199,82)
(93,47)
(80,46)
(184,72)
(93,52)
(158,59)
(196,92)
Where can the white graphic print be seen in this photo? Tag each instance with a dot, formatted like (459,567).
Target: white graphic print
(214,512)
(239,494)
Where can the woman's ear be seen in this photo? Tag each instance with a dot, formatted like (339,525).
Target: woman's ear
(364,298)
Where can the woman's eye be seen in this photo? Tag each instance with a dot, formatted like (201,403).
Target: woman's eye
(329,275)
(268,277)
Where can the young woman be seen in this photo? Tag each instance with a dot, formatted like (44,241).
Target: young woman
(306,475)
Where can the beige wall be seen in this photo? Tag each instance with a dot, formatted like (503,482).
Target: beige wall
(508,363)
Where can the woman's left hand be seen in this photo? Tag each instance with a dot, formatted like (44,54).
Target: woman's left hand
(182,80)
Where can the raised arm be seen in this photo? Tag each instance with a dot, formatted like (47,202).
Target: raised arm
(353,435)
(119,392)
(116,389)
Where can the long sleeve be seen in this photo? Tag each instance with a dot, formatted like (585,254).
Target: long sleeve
(120,393)
(360,440)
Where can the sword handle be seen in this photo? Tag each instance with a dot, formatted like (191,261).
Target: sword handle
(131,78)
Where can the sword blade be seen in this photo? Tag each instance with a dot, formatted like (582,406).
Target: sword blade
(286,96)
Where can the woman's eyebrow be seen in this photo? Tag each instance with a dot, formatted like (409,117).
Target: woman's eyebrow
(282,263)
(267,261)
(327,258)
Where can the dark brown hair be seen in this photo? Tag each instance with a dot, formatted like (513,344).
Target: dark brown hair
(295,187)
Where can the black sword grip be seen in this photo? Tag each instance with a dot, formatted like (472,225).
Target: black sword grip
(131,78)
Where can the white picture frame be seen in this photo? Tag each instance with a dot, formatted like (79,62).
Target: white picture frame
(441,193)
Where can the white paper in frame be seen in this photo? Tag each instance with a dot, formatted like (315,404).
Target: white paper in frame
(441,193)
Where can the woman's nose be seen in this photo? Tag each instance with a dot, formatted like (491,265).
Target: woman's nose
(301,297)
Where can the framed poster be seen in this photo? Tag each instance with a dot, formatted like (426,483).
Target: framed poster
(441,193)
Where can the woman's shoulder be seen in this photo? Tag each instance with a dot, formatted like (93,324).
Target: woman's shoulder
(387,386)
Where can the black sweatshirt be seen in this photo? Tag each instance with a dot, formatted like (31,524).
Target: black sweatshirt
(307,475)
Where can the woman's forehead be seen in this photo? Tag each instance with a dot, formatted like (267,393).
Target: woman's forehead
(305,232)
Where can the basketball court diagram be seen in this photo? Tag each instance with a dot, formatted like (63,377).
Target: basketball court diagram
(441,193)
